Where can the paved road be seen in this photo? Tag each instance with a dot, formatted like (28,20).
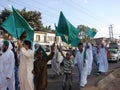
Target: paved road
(56,83)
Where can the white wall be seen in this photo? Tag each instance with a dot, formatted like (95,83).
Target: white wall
(49,37)
(42,37)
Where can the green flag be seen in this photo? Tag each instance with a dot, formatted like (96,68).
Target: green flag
(61,35)
(15,25)
(90,32)
(75,42)
(68,31)
(9,26)
(20,22)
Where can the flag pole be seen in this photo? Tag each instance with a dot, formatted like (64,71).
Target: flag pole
(55,39)
(17,34)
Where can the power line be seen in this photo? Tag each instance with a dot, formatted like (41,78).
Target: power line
(53,9)
(35,7)
(32,9)
(87,11)
(30,6)
(50,13)
(71,6)
(80,10)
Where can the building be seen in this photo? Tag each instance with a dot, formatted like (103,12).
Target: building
(46,37)
(41,36)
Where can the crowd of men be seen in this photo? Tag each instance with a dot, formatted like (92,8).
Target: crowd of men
(25,69)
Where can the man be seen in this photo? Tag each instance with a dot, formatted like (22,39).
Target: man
(1,67)
(102,59)
(89,57)
(8,66)
(26,65)
(94,51)
(55,63)
(81,62)
(16,66)
(40,68)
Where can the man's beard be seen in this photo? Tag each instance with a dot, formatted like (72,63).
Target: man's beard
(4,50)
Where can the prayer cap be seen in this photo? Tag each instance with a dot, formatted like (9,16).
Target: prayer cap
(6,43)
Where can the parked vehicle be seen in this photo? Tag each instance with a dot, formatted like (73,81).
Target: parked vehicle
(114,45)
(114,55)
(46,47)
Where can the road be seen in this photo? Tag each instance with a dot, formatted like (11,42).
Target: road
(56,83)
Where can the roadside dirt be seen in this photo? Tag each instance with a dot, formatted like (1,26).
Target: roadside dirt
(110,81)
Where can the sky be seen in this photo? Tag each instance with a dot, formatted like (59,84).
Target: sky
(97,14)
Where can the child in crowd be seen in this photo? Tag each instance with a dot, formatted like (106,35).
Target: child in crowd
(67,69)
(40,68)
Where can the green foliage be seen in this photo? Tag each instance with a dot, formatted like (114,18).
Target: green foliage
(94,29)
(32,17)
(4,14)
(84,37)
(83,28)
(82,33)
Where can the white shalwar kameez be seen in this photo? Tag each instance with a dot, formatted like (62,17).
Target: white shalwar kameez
(25,69)
(102,60)
(2,78)
(78,60)
(90,58)
(82,66)
(1,69)
(55,63)
(8,69)
(1,72)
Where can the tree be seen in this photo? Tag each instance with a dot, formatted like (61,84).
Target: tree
(82,29)
(4,14)
(84,37)
(94,29)
(32,17)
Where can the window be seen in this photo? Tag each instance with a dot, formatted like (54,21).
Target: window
(37,37)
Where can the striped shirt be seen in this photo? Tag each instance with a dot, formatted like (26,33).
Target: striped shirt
(68,66)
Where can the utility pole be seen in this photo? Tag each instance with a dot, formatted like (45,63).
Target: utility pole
(111,32)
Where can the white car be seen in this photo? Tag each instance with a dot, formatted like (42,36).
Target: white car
(114,55)
(46,47)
